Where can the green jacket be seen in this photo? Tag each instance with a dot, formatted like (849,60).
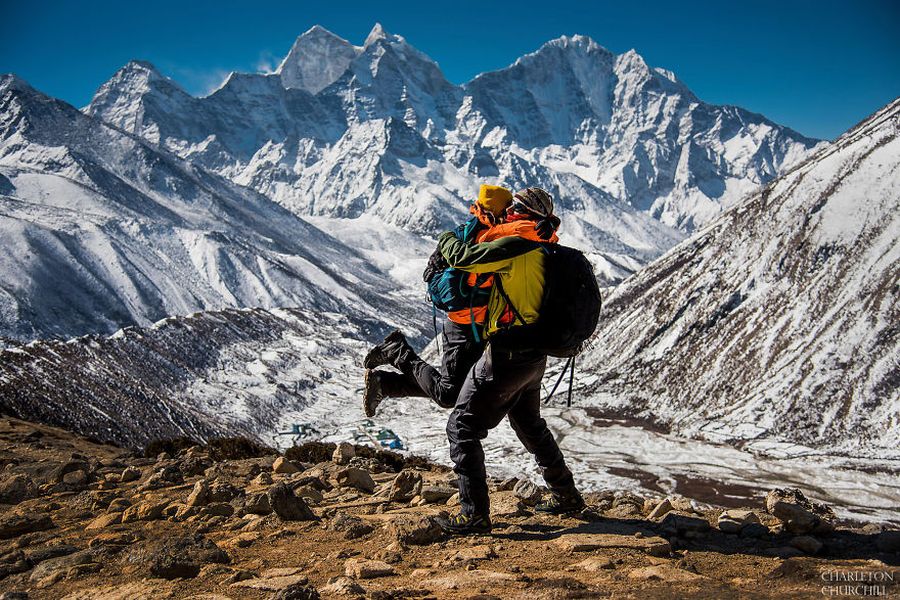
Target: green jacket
(519,264)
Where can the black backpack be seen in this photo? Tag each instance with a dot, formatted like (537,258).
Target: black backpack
(569,310)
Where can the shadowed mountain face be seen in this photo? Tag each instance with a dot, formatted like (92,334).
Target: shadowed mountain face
(780,318)
(102,229)
(342,130)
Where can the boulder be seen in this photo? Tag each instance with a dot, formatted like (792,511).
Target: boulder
(257,504)
(352,527)
(367,569)
(527,492)
(184,557)
(666,573)
(734,520)
(660,510)
(684,525)
(76,479)
(798,513)
(14,525)
(356,478)
(288,506)
(344,586)
(199,495)
(104,521)
(297,591)
(588,542)
(51,571)
(405,486)
(309,493)
(418,531)
(130,474)
(343,453)
(436,493)
(284,467)
(17,488)
(807,544)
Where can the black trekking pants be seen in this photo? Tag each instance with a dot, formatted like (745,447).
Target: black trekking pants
(420,379)
(502,384)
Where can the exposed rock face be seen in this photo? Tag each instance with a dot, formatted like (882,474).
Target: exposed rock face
(798,514)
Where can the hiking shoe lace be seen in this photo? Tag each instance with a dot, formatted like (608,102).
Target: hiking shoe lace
(463,524)
(558,504)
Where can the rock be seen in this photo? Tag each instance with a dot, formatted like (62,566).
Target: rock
(405,486)
(527,492)
(77,478)
(240,575)
(505,505)
(367,569)
(104,521)
(661,510)
(120,538)
(352,527)
(783,552)
(14,596)
(58,475)
(297,591)
(262,480)
(343,453)
(288,506)
(356,478)
(754,530)
(149,510)
(436,493)
(594,564)
(275,580)
(309,493)
(130,474)
(798,513)
(50,571)
(344,586)
(118,505)
(166,476)
(454,500)
(217,509)
(184,556)
(257,504)
(888,542)
(284,466)
(417,531)
(471,554)
(733,521)
(17,488)
(625,511)
(663,573)
(243,540)
(508,484)
(588,542)
(807,544)
(684,525)
(14,525)
(199,495)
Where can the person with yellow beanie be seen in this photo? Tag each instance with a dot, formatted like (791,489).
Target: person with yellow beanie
(462,338)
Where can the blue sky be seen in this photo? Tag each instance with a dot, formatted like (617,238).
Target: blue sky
(816,66)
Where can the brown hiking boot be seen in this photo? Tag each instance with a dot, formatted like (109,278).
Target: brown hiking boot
(392,351)
(373,394)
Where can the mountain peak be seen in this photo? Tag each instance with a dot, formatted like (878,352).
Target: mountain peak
(316,60)
(377,33)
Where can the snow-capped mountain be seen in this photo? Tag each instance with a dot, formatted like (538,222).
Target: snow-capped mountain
(342,130)
(777,321)
(101,229)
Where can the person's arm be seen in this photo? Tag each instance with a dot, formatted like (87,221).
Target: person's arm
(486,257)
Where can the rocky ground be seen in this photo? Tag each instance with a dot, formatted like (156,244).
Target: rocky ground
(80,520)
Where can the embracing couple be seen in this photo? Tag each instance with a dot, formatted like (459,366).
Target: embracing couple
(492,270)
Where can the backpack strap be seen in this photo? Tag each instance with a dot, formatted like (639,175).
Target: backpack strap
(499,284)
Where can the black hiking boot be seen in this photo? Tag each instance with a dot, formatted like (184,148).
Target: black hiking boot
(373,395)
(392,351)
(558,504)
(465,524)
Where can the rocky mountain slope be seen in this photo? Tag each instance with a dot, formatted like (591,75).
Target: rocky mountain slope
(778,321)
(102,230)
(342,130)
(83,521)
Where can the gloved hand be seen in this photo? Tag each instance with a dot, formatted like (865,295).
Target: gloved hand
(547,226)
(436,264)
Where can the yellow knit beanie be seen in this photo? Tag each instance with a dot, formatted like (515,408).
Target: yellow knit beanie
(494,199)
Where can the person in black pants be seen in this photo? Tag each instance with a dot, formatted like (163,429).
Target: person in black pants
(506,381)
(463,341)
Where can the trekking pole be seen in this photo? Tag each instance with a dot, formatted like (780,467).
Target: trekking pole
(562,374)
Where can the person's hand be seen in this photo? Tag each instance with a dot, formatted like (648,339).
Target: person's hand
(547,226)
(436,264)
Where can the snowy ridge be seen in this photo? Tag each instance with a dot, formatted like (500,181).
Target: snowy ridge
(342,130)
(103,230)
(778,321)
